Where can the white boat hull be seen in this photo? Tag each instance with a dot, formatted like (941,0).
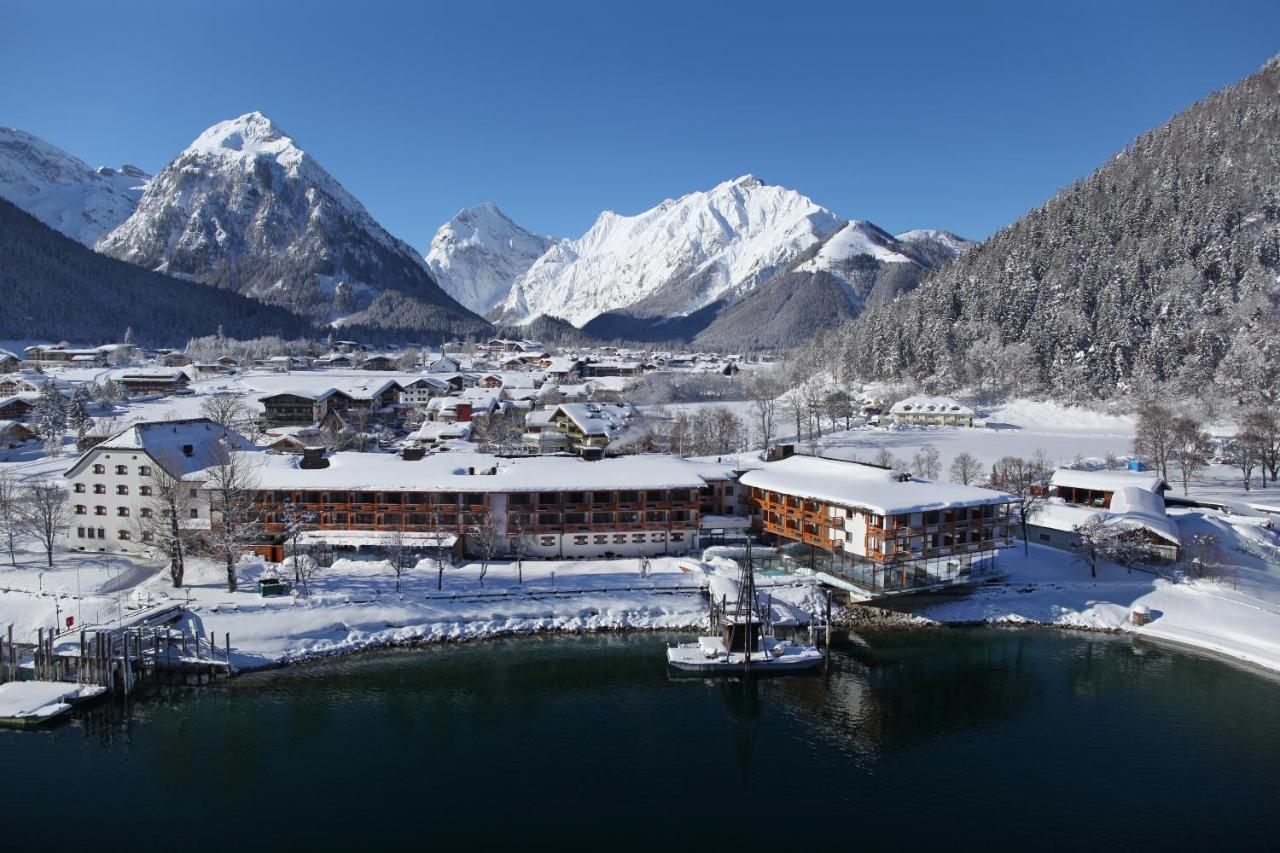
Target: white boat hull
(708,656)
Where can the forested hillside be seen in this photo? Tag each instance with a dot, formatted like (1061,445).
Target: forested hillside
(53,288)
(1157,272)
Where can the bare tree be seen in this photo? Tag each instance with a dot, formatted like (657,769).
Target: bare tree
(521,534)
(436,548)
(1024,480)
(965,468)
(397,552)
(1097,540)
(1190,449)
(1202,555)
(884,458)
(225,409)
(484,537)
(793,407)
(11,526)
(45,514)
(296,521)
(1243,452)
(162,519)
(763,393)
(1262,426)
(234,515)
(1153,438)
(926,462)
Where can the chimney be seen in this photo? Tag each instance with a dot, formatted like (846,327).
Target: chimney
(464,412)
(313,457)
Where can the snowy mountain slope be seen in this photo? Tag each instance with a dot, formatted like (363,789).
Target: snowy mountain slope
(679,257)
(856,266)
(244,208)
(935,246)
(478,254)
(63,191)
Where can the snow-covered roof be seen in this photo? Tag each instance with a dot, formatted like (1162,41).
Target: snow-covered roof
(865,486)
(166,442)
(1136,505)
(605,419)
(1107,481)
(923,405)
(466,472)
(1132,507)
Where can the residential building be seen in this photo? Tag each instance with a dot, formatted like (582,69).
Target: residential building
(931,411)
(111,485)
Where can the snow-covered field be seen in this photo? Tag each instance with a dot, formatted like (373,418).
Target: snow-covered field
(1237,616)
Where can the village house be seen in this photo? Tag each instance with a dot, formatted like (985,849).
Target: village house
(14,434)
(419,392)
(931,411)
(9,362)
(156,381)
(18,407)
(877,529)
(112,484)
(1130,501)
(59,355)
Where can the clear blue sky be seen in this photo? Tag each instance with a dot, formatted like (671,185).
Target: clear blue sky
(954,115)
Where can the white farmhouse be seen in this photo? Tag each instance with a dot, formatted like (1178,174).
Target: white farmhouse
(931,411)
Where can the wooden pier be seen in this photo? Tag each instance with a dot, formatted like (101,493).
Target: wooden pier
(161,648)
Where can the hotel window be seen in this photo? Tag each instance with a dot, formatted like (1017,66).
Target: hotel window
(195,513)
(81,509)
(548,540)
(655,496)
(628,517)
(602,518)
(102,533)
(145,491)
(99,469)
(619,538)
(628,497)
(601,540)
(123,534)
(122,469)
(144,470)
(655,516)
(147,536)
(192,493)
(637,537)
(677,537)
(79,488)
(579,540)
(122,490)
(145,512)
(99,510)
(80,532)
(99,489)
(122,511)
(602,497)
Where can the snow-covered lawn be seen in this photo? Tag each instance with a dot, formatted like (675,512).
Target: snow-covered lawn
(1238,616)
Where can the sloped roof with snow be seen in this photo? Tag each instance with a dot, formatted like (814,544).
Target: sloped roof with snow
(864,486)
(166,442)
(923,405)
(1107,481)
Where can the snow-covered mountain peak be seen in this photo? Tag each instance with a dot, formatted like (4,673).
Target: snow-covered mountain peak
(477,254)
(248,137)
(62,191)
(677,257)
(243,207)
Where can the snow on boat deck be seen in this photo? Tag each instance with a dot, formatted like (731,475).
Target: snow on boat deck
(25,703)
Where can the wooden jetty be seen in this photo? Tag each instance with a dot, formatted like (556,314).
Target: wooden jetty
(163,647)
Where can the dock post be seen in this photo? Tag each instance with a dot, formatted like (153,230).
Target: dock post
(226,645)
(828,630)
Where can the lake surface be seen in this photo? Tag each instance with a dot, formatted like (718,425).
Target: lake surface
(969,738)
